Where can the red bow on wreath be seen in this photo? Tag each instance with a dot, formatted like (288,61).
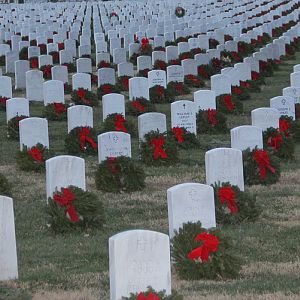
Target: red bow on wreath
(237,91)
(125,82)
(284,126)
(210,244)
(193,79)
(255,75)
(150,296)
(59,108)
(144,43)
(106,89)
(36,154)
(227,194)
(47,71)
(228,102)
(275,141)
(178,132)
(245,84)
(119,123)
(112,163)
(34,63)
(178,87)
(262,158)
(65,200)
(160,90)
(138,106)
(157,143)
(81,93)
(211,117)
(85,137)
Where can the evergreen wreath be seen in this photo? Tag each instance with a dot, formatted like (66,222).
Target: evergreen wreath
(105,89)
(158,94)
(234,206)
(260,167)
(183,138)
(213,43)
(181,39)
(123,83)
(278,143)
(43,49)
(139,106)
(159,48)
(3,103)
(46,71)
(179,12)
(117,122)
(290,127)
(33,159)
(71,67)
(84,97)
(105,64)
(67,88)
(151,294)
(34,63)
(266,68)
(5,186)
(204,72)
(55,56)
(185,55)
(245,49)
(175,88)
(211,121)
(117,174)
(13,127)
(81,140)
(158,149)
(55,111)
(240,92)
(203,254)
(196,51)
(133,58)
(145,47)
(174,62)
(143,73)
(251,86)
(23,54)
(228,104)
(160,65)
(193,81)
(73,209)
(257,78)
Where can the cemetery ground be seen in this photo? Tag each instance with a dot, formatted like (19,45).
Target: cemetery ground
(75,266)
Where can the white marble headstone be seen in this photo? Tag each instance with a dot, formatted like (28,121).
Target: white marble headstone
(285,105)
(113,104)
(80,116)
(265,117)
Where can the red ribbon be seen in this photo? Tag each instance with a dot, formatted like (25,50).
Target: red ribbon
(227,194)
(144,44)
(245,84)
(85,137)
(210,244)
(59,108)
(103,64)
(61,46)
(179,87)
(119,123)
(211,117)
(161,65)
(36,154)
(47,71)
(150,296)
(65,199)
(255,75)
(106,89)
(112,163)
(157,143)
(160,90)
(137,105)
(193,79)
(284,126)
(228,102)
(81,93)
(34,63)
(262,158)
(236,90)
(275,141)
(178,132)
(202,72)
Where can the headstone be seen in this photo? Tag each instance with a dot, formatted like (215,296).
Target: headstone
(295,79)
(8,249)
(33,131)
(205,99)
(265,117)
(80,116)
(34,85)
(10,59)
(106,76)
(144,256)
(220,84)
(84,65)
(175,73)
(45,60)
(183,114)
(113,104)
(190,202)
(125,69)
(113,144)
(63,171)
(293,92)
(138,87)
(53,91)
(285,105)
(224,165)
(81,80)
(246,136)
(17,107)
(21,67)
(5,86)
(157,77)
(60,73)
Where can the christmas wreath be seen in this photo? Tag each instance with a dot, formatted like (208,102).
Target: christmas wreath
(151,294)
(240,92)
(183,138)
(33,43)
(55,56)
(3,103)
(74,209)
(228,104)
(84,97)
(13,127)
(181,39)
(234,206)
(160,48)
(260,167)
(193,81)
(5,186)
(185,55)
(143,73)
(33,159)
(158,149)
(145,47)
(123,83)
(196,51)
(160,65)
(203,254)
(245,49)
(257,78)
(61,46)
(105,64)
(266,68)
(139,106)
(215,66)
(133,58)
(158,94)
(204,72)
(211,121)
(117,174)
(2,60)
(67,88)
(81,140)
(56,111)
(281,145)
(34,63)
(213,43)
(179,12)
(71,67)
(46,71)
(117,122)
(251,86)
(231,56)
(43,49)
(105,89)
(174,62)
(175,88)
(23,54)
(289,127)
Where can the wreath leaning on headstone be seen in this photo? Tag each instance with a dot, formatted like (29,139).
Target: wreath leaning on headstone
(203,254)
(55,111)
(234,206)
(151,294)
(211,121)
(13,127)
(33,159)
(183,138)
(84,97)
(116,174)
(228,104)
(139,106)
(72,208)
